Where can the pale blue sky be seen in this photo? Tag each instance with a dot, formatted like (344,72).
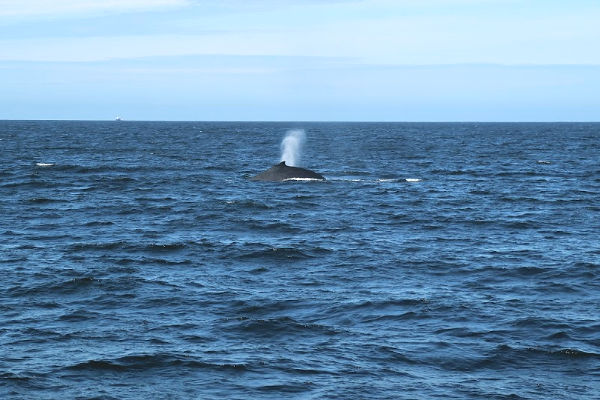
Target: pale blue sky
(370,60)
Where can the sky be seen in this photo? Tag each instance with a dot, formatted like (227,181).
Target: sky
(300,60)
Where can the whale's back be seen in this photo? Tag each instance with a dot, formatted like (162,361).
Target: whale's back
(282,172)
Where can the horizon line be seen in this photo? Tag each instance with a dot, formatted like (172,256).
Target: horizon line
(310,121)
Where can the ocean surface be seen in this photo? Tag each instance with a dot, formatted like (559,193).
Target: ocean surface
(437,261)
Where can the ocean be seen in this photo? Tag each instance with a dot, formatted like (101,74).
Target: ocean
(437,261)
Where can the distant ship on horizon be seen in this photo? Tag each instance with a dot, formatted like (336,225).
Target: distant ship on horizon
(118,118)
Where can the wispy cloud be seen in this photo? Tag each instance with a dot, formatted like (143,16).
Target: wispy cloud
(395,40)
(25,8)
(300,59)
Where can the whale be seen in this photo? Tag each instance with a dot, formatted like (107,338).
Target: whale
(282,172)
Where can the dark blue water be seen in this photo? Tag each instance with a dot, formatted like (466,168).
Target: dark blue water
(437,261)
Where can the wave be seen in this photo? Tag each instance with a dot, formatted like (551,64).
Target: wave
(505,356)
(69,286)
(154,247)
(275,253)
(455,172)
(20,378)
(84,246)
(383,310)
(276,327)
(272,226)
(380,304)
(145,362)
(248,204)
(30,183)
(298,387)
(508,354)
(406,316)
(167,247)
(93,169)
(162,261)
(99,223)
(528,271)
(12,260)
(45,200)
(79,316)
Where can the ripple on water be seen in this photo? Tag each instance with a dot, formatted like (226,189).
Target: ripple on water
(451,260)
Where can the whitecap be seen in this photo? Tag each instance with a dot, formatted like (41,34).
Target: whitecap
(303,179)
(413,180)
(387,180)
(345,179)
(41,164)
